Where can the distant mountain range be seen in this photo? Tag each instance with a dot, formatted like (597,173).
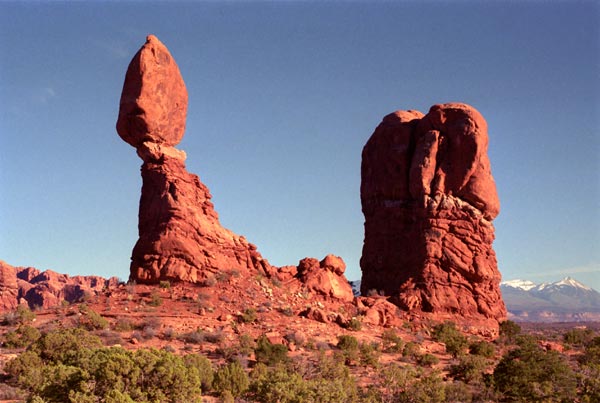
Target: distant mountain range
(566,300)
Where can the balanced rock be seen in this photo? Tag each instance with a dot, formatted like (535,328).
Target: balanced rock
(429,199)
(180,237)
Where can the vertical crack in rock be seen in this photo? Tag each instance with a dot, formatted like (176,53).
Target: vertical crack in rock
(428,197)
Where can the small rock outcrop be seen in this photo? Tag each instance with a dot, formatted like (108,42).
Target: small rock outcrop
(180,237)
(27,285)
(429,198)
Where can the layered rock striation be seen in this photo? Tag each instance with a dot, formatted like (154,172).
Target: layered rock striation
(180,237)
(429,198)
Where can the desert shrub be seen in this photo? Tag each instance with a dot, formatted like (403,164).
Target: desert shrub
(578,337)
(297,338)
(427,360)
(246,344)
(195,337)
(347,342)
(90,319)
(407,385)
(287,311)
(231,377)
(70,366)
(269,353)
(369,354)
(349,347)
(591,353)
(165,284)
(65,345)
(330,381)
(204,368)
(277,385)
(155,299)
(123,325)
(392,343)
(469,369)
(509,330)
(528,374)
(448,334)
(482,348)
(22,337)
(215,337)
(411,351)
(458,392)
(248,316)
(26,370)
(22,315)
(354,324)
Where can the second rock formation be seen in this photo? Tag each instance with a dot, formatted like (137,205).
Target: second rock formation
(429,199)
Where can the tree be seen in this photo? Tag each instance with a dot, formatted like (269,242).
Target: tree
(530,374)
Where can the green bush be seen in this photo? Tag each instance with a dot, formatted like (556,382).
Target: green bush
(369,354)
(248,316)
(578,337)
(392,343)
(406,385)
(69,365)
(427,360)
(22,315)
(231,377)
(269,353)
(448,334)
(22,337)
(328,382)
(349,347)
(155,299)
(482,348)
(204,367)
(530,374)
(411,351)
(354,324)
(165,284)
(509,330)
(90,319)
(469,369)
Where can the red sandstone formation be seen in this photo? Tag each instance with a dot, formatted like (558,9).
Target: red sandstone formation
(46,289)
(429,199)
(180,237)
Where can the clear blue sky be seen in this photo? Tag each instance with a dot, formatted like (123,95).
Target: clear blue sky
(282,98)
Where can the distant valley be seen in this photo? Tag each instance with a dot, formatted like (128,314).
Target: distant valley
(566,300)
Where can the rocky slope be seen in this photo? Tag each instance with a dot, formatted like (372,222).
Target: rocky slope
(566,300)
(429,199)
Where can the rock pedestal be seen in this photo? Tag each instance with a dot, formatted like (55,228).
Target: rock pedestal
(429,199)
(180,237)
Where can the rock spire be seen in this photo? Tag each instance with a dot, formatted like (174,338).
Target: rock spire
(429,199)
(180,237)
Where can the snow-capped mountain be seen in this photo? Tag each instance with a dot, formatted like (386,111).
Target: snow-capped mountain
(564,300)
(525,285)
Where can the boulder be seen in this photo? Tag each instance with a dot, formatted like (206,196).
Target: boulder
(326,277)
